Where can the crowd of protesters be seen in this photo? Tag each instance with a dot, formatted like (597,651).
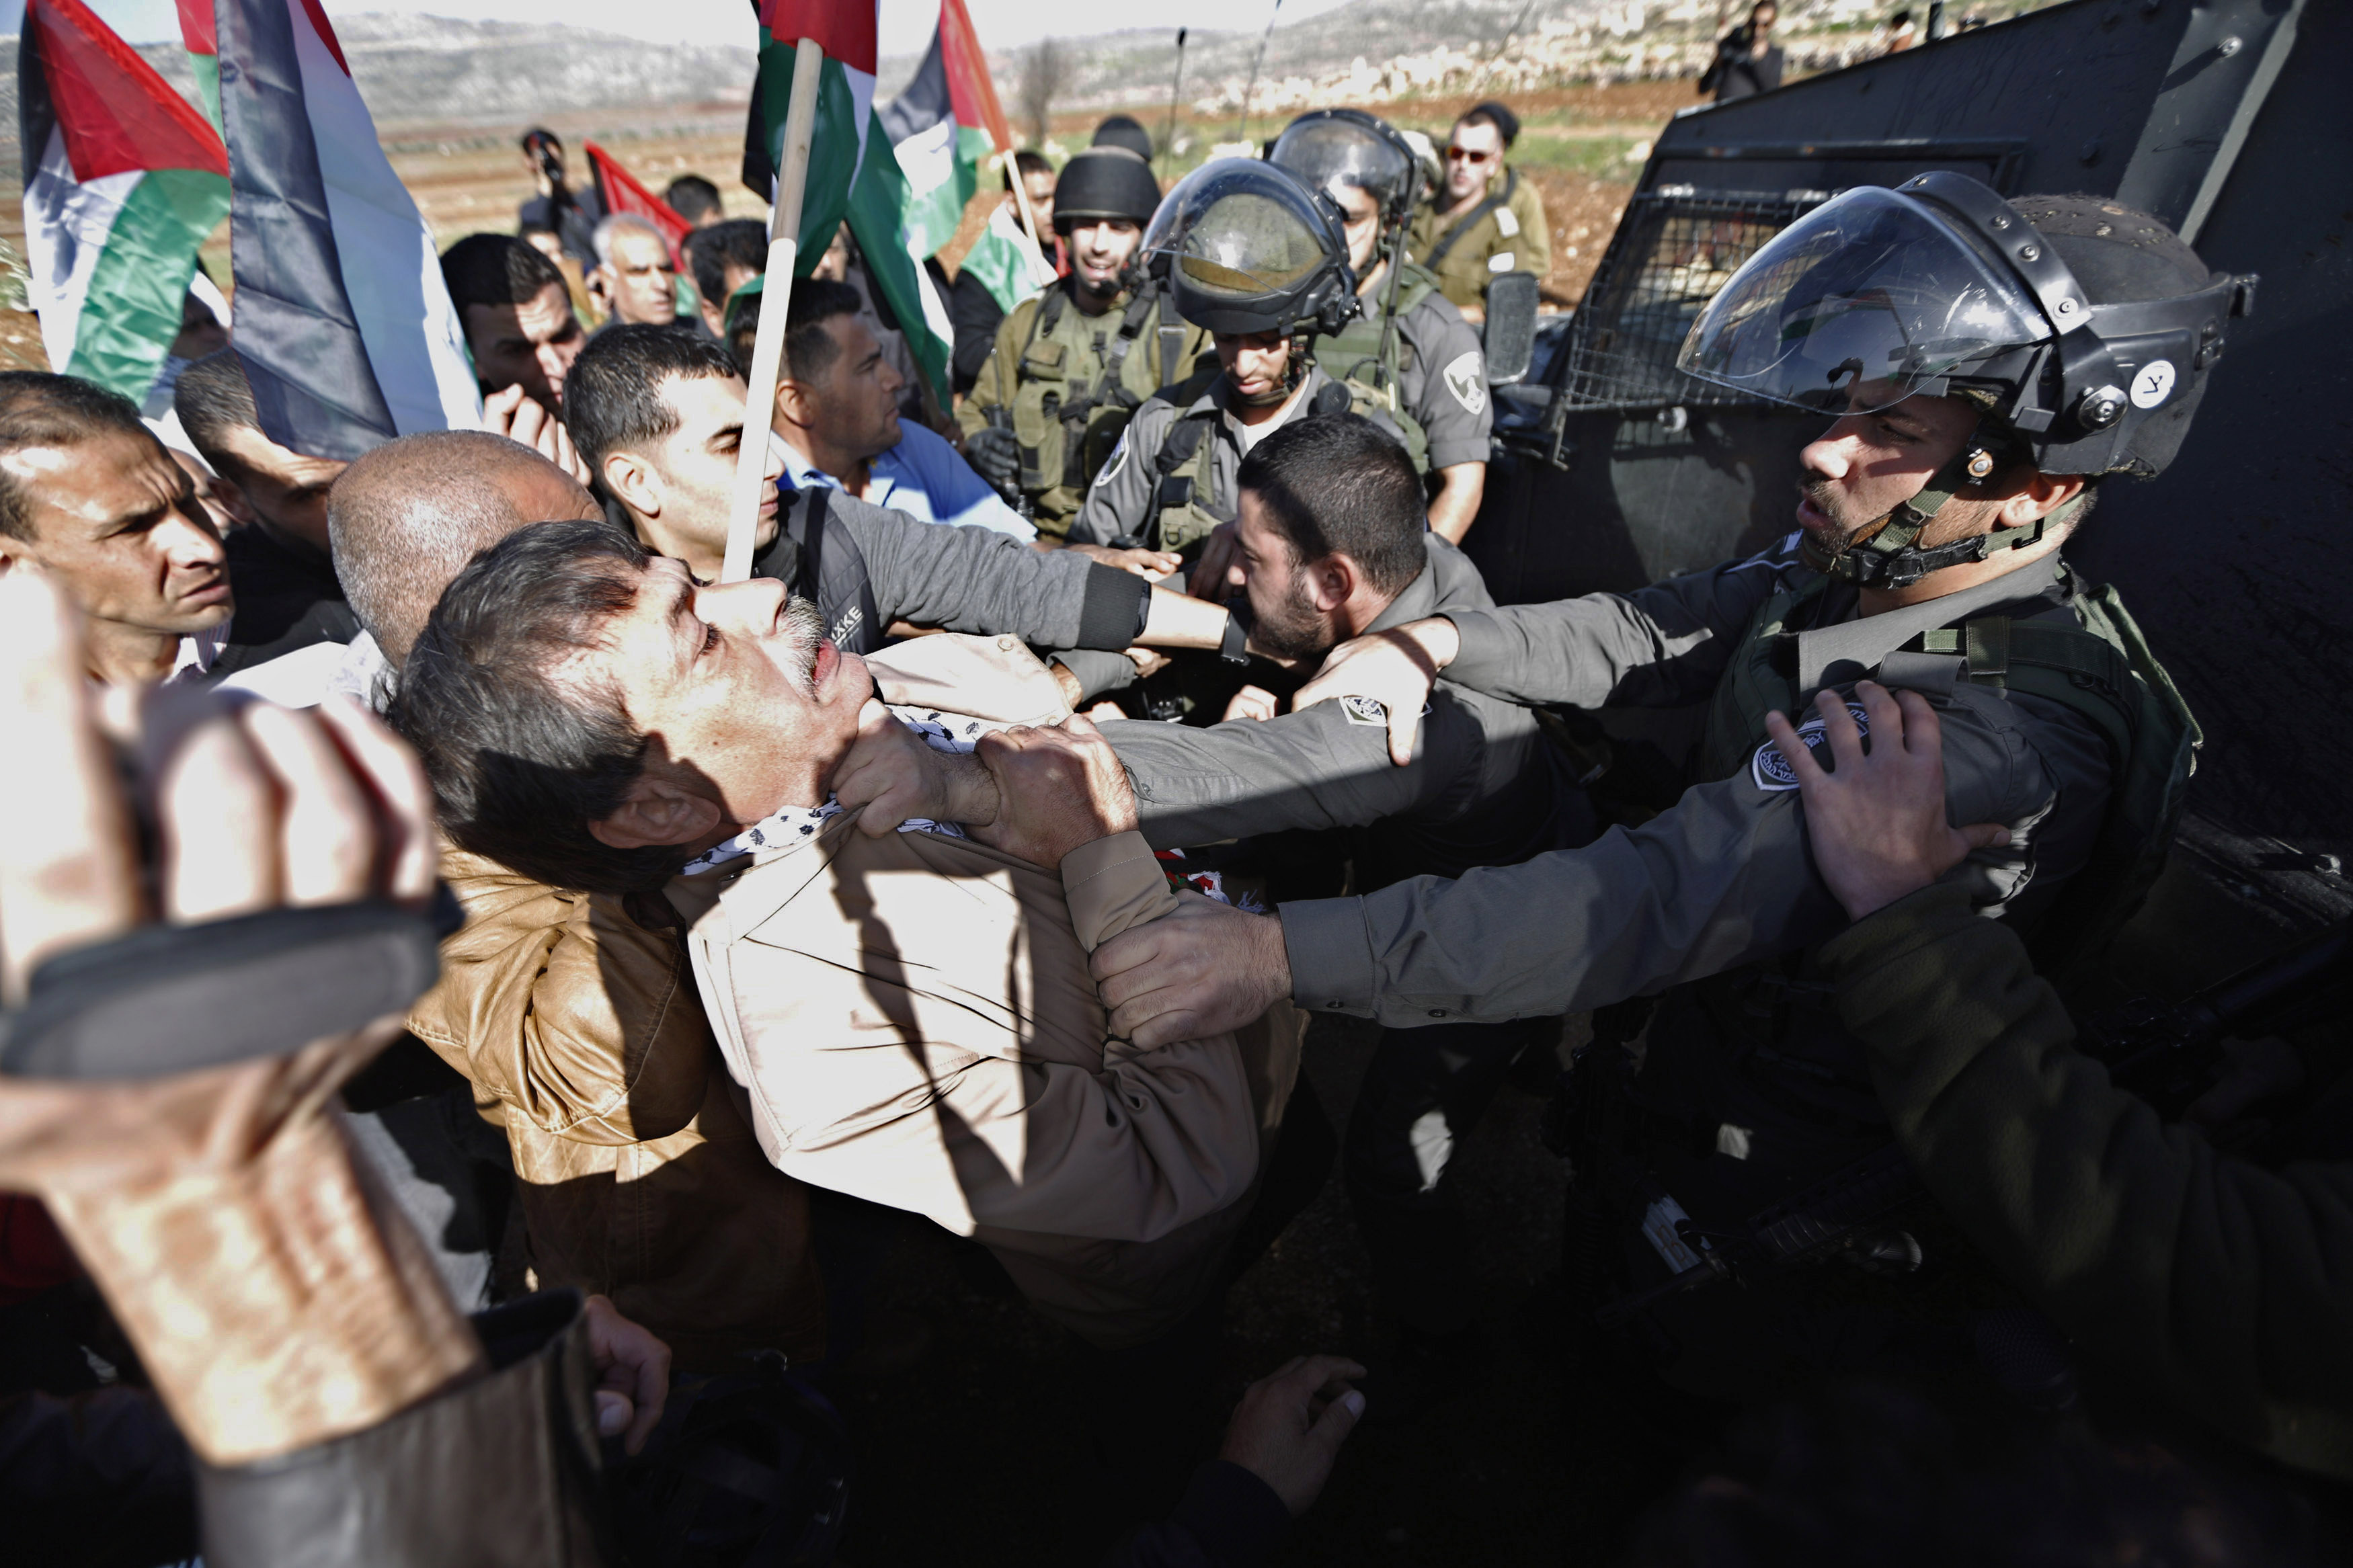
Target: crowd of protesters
(416,851)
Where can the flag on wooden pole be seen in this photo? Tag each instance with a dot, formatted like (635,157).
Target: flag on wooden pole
(854,173)
(123,183)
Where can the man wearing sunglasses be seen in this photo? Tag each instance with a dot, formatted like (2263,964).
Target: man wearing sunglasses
(1484,220)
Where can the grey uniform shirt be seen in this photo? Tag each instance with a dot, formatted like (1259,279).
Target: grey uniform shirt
(1722,878)
(1480,790)
(963,579)
(1443,383)
(1122,499)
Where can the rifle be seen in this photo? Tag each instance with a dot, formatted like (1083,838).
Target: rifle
(2165,1052)
(1001,418)
(1836,1218)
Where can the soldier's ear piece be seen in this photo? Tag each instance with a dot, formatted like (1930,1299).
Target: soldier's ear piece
(1980,463)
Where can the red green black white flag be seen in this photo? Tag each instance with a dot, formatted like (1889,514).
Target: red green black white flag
(124,182)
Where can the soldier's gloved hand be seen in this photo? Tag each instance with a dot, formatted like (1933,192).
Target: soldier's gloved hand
(994,454)
(1876,823)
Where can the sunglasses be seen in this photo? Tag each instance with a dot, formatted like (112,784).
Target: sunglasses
(1464,155)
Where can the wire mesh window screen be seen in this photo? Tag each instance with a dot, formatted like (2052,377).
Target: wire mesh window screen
(1675,249)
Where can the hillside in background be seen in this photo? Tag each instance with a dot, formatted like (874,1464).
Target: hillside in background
(446,71)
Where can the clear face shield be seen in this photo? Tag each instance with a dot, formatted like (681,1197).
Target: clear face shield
(1861,303)
(1238,229)
(1333,154)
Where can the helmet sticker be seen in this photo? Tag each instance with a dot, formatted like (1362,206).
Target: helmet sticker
(2152,384)
(1466,378)
(1771,772)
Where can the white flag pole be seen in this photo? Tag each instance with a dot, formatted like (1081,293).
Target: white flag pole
(775,298)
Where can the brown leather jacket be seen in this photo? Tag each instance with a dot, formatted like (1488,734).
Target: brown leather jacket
(580,1030)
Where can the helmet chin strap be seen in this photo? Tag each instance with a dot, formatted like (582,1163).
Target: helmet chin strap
(1887,558)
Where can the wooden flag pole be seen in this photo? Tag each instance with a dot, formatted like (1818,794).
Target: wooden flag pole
(775,298)
(1042,271)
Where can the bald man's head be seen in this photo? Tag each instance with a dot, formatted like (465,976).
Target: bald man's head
(407,517)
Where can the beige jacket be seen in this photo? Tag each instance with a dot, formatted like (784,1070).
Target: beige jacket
(915,1023)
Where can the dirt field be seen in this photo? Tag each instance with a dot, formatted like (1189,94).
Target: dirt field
(470,177)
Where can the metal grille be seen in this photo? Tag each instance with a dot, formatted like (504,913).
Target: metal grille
(1675,249)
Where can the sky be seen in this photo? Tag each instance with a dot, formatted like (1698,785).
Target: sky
(906,23)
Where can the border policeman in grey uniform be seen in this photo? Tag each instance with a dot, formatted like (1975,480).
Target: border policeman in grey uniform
(1989,362)
(1074,362)
(1410,352)
(1257,260)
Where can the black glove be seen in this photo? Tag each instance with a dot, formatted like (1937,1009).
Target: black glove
(994,455)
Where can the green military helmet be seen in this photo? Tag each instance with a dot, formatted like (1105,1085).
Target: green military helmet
(1104,181)
(1249,248)
(1328,147)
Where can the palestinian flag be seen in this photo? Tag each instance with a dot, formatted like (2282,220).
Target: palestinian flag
(853,172)
(618,191)
(124,182)
(343,325)
(943,128)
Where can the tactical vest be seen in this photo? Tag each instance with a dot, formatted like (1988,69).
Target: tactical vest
(1187,504)
(2094,662)
(1353,357)
(1080,380)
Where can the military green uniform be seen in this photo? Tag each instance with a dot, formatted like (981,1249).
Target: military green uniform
(1433,381)
(1171,480)
(1071,381)
(1751,1090)
(2209,1281)
(1506,232)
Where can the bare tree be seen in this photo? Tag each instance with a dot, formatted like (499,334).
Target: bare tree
(1045,72)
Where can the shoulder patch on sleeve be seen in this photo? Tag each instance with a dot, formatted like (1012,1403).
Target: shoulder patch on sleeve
(1770,771)
(1466,378)
(1365,710)
(1507,222)
(1117,460)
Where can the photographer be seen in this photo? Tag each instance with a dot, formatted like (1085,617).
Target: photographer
(1747,62)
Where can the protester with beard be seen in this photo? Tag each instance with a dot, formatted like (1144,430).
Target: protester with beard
(1933,514)
(1072,365)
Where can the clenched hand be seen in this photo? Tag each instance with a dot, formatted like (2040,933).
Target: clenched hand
(1202,969)
(1057,788)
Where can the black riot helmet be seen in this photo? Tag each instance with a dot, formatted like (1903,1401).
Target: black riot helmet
(1104,181)
(1328,147)
(1249,249)
(2081,329)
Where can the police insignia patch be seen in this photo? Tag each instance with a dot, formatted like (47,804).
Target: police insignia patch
(1466,378)
(1770,771)
(1365,710)
(1117,461)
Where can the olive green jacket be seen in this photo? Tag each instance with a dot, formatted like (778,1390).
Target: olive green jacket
(2224,1286)
(1514,237)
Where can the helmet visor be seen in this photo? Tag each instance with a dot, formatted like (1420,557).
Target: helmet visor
(1856,306)
(1241,228)
(1334,155)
